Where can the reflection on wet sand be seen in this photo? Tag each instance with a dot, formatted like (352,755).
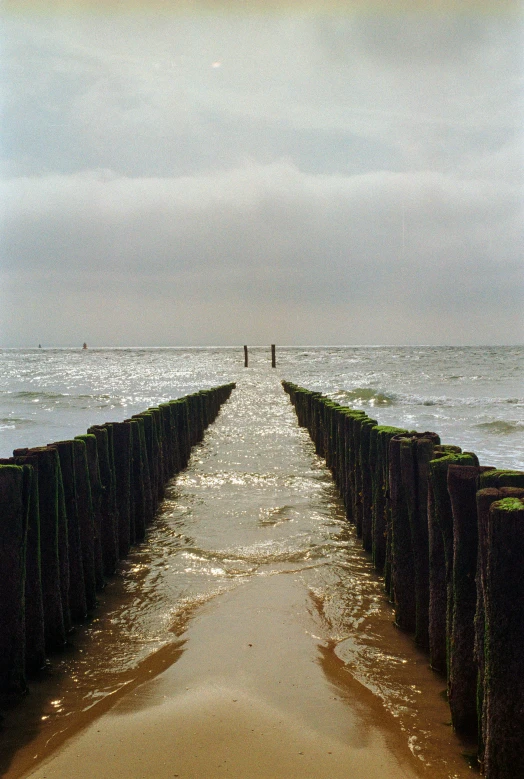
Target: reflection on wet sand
(249,634)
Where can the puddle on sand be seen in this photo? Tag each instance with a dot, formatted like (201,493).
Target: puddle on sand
(254,502)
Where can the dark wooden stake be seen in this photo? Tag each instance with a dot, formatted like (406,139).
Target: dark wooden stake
(245,356)
(273,356)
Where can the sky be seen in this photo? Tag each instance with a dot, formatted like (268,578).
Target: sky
(237,172)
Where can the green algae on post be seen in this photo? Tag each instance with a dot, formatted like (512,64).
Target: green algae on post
(35,643)
(35,652)
(107,507)
(415,458)
(402,555)
(381,538)
(138,488)
(14,495)
(442,521)
(462,693)
(484,499)
(96,489)
(504,677)
(86,520)
(77,589)
(122,443)
(53,545)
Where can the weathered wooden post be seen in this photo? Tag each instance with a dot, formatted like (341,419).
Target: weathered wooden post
(84,506)
(15,484)
(403,587)
(486,496)
(273,356)
(53,544)
(122,449)
(462,692)
(77,589)
(96,499)
(34,606)
(441,522)
(245,357)
(108,505)
(504,680)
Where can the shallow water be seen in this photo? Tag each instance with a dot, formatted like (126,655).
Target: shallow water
(254,526)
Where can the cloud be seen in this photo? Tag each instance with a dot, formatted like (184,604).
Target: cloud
(271,235)
(139,93)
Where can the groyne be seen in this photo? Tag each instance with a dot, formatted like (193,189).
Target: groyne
(447,534)
(69,511)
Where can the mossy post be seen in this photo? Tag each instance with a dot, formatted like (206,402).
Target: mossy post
(367,482)
(415,474)
(356,420)
(96,491)
(14,497)
(86,520)
(341,472)
(380,437)
(402,560)
(122,447)
(151,445)
(462,691)
(442,516)
(504,678)
(149,503)
(501,478)
(437,584)
(77,589)
(158,438)
(108,508)
(35,652)
(63,547)
(485,498)
(168,435)
(138,489)
(52,546)
(183,431)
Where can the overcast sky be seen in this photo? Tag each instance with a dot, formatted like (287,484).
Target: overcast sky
(313,174)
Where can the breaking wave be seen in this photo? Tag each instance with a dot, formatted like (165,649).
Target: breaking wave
(364,396)
(501,427)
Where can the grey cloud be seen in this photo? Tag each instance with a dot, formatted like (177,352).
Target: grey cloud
(274,228)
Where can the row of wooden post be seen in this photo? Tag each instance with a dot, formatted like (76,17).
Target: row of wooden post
(448,536)
(71,510)
(273,356)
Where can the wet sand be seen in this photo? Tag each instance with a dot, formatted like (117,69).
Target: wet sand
(278,657)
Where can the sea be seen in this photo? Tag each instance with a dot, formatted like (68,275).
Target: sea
(471,396)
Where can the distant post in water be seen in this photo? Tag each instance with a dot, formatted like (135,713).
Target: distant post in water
(273,356)
(245,357)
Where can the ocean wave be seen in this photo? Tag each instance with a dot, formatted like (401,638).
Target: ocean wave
(7,423)
(64,400)
(501,426)
(31,395)
(364,396)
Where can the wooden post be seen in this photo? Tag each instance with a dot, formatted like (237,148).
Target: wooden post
(245,357)
(273,356)
(504,680)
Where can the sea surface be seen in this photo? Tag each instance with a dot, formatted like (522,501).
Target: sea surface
(471,396)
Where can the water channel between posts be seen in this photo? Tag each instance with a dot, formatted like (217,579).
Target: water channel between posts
(247,637)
